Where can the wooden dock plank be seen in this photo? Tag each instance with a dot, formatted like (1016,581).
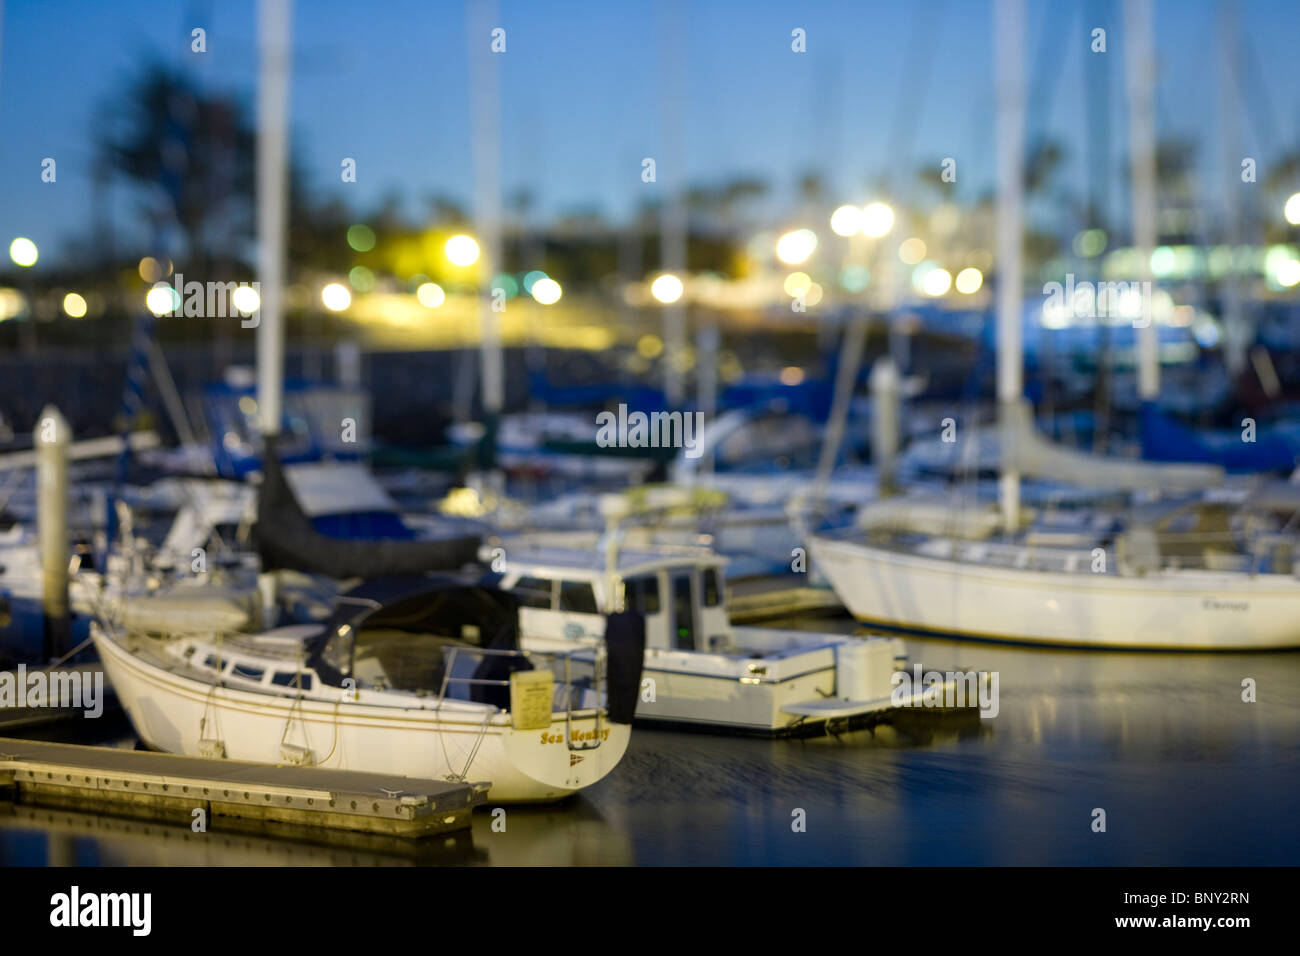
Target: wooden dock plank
(315,796)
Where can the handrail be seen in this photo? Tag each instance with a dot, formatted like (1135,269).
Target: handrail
(567,683)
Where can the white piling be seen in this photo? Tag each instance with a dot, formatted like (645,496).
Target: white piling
(347,364)
(884,423)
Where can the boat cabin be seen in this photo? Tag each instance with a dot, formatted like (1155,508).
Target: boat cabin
(565,593)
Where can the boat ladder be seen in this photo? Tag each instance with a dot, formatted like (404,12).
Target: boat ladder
(597,672)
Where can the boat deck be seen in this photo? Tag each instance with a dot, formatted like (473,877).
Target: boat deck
(167,786)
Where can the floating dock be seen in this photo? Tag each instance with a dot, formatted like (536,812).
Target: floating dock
(167,786)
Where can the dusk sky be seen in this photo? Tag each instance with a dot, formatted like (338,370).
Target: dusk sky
(585,96)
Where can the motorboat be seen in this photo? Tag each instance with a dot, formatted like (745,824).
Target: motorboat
(700,670)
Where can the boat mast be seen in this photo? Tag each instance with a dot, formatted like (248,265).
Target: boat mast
(485,105)
(1140,74)
(272,121)
(1009,58)
(673,224)
(1237,332)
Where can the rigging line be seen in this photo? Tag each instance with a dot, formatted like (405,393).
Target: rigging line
(1263,125)
(333,746)
(904,126)
(1043,89)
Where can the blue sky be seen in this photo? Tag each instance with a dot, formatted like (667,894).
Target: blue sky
(586,92)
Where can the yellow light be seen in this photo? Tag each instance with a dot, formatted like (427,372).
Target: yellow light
(912,251)
(74,305)
(791,375)
(461,250)
(795,247)
(11,304)
(1292,209)
(23,252)
(162,299)
(1288,273)
(667,288)
(846,221)
(151,270)
(430,295)
(797,283)
(649,346)
(546,291)
(936,282)
(877,219)
(969,280)
(247,299)
(336,297)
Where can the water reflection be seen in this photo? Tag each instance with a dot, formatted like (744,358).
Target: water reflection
(1187,772)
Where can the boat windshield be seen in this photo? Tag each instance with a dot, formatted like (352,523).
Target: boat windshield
(412,644)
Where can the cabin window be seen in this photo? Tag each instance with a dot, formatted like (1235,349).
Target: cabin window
(215,662)
(534,592)
(712,593)
(291,679)
(246,672)
(641,595)
(578,597)
(683,613)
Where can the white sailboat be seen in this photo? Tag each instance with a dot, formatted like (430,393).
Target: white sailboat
(1197,575)
(413,677)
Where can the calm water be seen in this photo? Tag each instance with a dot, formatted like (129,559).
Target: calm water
(1186,772)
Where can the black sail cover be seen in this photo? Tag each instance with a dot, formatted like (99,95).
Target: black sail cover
(286,538)
(625,643)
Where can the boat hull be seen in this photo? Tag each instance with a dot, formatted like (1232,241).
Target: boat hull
(705,691)
(1168,610)
(174,713)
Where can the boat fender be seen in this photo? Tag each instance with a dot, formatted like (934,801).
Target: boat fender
(625,646)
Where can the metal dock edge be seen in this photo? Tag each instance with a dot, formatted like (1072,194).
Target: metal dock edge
(173,787)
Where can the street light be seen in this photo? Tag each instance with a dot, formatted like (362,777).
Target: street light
(461,250)
(846,221)
(1292,209)
(546,291)
(795,247)
(336,297)
(23,252)
(877,219)
(667,288)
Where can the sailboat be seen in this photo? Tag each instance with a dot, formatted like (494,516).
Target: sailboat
(411,676)
(1205,572)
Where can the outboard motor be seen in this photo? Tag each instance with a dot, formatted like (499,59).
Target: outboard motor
(625,656)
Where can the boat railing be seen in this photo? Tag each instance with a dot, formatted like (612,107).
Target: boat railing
(569,684)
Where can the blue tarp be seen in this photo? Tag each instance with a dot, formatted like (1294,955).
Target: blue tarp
(1166,439)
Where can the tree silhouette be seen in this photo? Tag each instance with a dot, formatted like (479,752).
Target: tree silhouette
(192,156)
